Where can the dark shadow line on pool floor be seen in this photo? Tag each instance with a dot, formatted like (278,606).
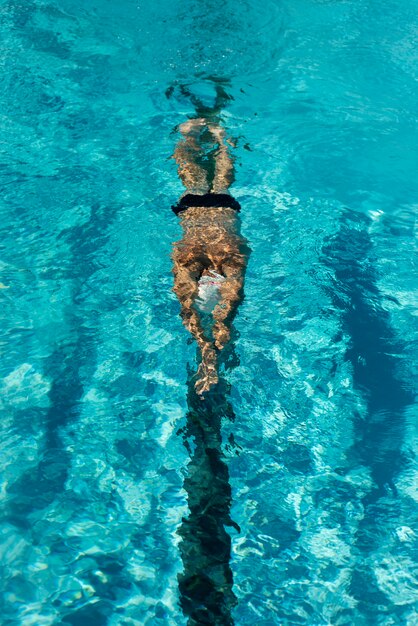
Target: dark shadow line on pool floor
(205,585)
(372,353)
(39,486)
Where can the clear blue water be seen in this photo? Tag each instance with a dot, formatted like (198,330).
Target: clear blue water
(290,495)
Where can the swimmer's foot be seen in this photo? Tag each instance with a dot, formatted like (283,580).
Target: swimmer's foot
(218,133)
(193,125)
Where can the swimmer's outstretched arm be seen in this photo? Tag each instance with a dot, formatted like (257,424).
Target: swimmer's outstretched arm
(186,288)
(231,296)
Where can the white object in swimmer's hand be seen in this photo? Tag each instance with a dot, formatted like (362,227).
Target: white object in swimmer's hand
(208,295)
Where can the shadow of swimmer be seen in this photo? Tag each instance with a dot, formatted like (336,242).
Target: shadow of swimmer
(205,585)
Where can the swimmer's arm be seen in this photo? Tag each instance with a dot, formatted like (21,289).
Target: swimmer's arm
(231,296)
(186,288)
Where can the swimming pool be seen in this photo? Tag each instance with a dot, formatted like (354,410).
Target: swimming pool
(290,495)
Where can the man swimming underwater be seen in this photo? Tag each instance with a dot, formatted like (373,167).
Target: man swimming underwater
(211,257)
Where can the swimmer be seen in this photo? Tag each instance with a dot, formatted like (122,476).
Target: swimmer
(211,257)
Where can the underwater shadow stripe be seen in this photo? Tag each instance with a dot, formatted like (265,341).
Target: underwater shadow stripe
(372,344)
(206,583)
(380,435)
(39,486)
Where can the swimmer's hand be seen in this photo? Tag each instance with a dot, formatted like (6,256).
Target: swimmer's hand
(207,375)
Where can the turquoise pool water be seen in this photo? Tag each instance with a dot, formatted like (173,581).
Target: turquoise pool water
(289,496)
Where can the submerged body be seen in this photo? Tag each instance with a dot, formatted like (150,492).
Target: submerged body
(210,258)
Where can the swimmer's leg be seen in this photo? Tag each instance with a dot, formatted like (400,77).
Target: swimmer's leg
(193,176)
(224,164)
